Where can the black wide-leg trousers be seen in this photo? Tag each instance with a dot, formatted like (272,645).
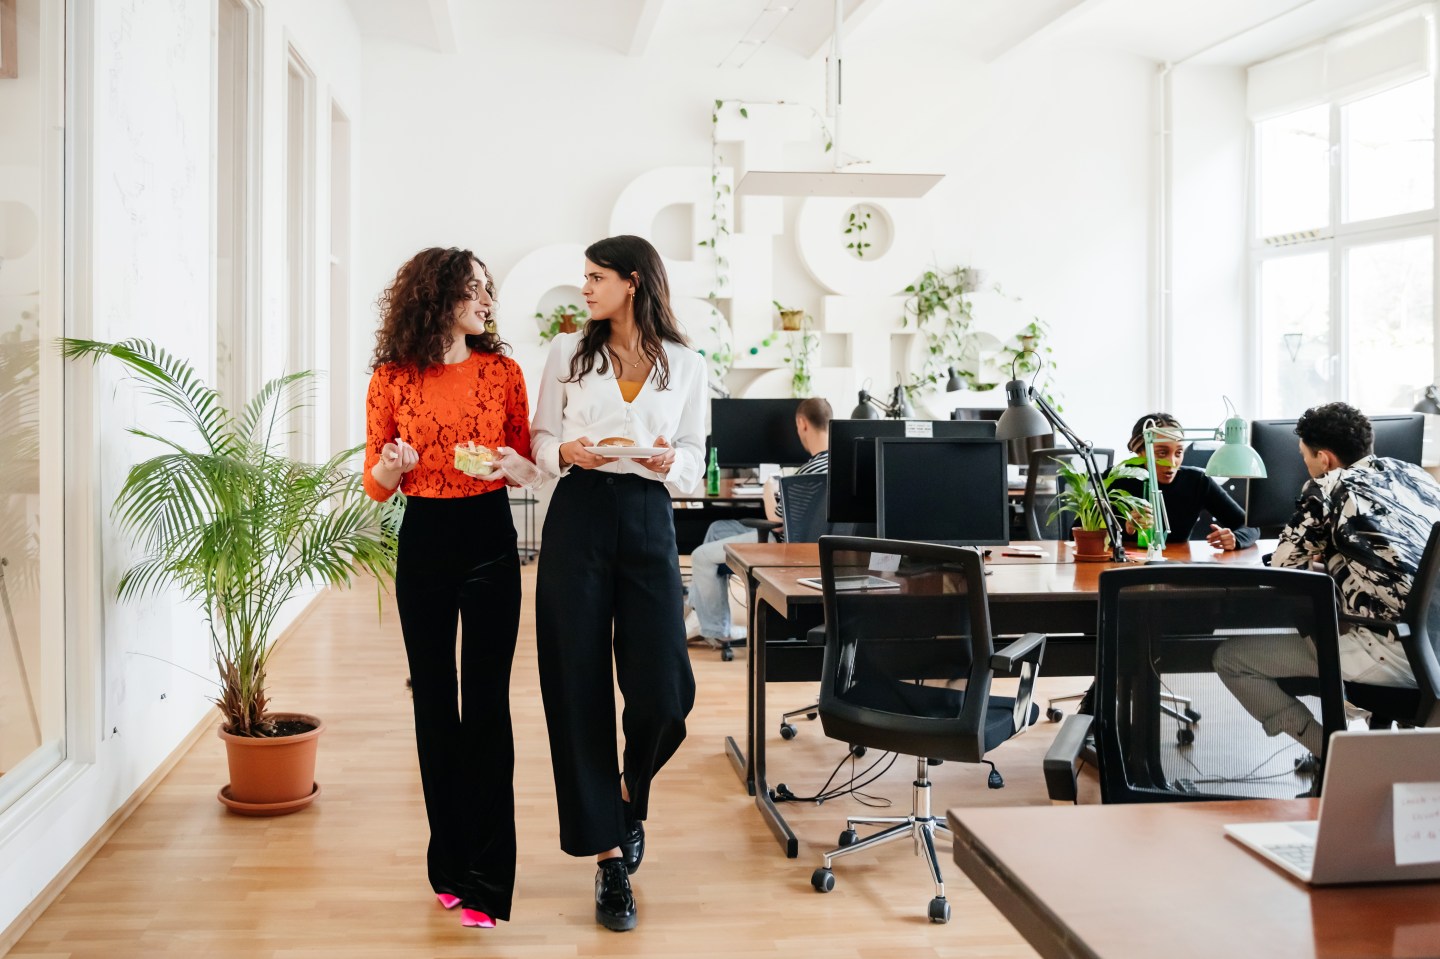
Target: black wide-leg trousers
(608,589)
(457,559)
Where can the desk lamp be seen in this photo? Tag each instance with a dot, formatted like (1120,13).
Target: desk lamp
(869,408)
(1430,402)
(1236,460)
(1022,419)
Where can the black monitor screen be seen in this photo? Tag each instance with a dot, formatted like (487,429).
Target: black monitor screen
(852,458)
(942,491)
(1271,502)
(746,433)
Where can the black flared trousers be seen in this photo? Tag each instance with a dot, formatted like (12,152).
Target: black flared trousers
(457,559)
(608,590)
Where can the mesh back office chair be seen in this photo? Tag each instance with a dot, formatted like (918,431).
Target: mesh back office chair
(878,643)
(1041,489)
(1418,631)
(1157,628)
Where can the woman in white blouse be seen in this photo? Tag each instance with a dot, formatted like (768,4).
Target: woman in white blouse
(608,583)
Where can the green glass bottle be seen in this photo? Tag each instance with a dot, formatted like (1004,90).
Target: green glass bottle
(712,474)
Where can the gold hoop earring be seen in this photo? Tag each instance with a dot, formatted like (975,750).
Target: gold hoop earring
(489,326)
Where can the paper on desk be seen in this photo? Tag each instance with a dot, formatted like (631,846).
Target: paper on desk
(884,562)
(1417,823)
(768,470)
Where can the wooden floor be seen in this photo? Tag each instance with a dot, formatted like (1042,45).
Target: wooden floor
(346,877)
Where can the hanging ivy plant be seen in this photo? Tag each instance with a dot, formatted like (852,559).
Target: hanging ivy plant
(801,346)
(937,307)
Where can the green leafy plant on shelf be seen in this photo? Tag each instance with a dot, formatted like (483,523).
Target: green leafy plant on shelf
(233,524)
(567,318)
(801,345)
(855,226)
(1027,351)
(938,308)
(1076,496)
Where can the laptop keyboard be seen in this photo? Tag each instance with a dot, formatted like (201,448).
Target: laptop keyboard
(1298,854)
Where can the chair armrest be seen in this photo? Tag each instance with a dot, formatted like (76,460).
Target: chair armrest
(1401,630)
(762,526)
(1027,649)
(816,636)
(1062,759)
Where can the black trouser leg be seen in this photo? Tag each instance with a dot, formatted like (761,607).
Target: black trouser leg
(608,589)
(458,559)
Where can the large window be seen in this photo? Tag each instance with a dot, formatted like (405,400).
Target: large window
(32,627)
(1345,245)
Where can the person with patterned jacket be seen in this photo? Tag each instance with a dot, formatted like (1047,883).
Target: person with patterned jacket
(442,380)
(1365,520)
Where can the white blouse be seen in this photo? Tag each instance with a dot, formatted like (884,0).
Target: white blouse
(594,408)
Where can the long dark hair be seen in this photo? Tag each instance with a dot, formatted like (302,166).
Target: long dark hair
(417,311)
(654,319)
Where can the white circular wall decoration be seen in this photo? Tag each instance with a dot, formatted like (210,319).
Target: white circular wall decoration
(821,244)
(704,326)
(527,283)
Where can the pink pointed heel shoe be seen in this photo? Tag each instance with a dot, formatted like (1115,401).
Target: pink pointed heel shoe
(447,900)
(474,917)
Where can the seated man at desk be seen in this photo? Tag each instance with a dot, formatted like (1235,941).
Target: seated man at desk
(709,579)
(1365,519)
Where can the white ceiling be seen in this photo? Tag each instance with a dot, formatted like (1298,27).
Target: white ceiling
(1229,32)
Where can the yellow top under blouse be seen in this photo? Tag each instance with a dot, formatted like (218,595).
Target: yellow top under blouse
(630,389)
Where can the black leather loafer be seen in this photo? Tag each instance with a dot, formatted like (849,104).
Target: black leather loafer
(632,847)
(614,902)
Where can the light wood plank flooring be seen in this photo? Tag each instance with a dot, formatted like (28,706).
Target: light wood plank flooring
(345,878)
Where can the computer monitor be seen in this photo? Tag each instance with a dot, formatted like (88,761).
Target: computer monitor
(852,458)
(949,491)
(746,433)
(1271,501)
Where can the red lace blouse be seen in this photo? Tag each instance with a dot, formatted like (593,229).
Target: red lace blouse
(481,400)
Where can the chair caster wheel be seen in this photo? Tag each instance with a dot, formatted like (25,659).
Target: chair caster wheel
(788,732)
(1192,715)
(848,838)
(857,751)
(822,879)
(727,654)
(1053,714)
(939,910)
(1185,735)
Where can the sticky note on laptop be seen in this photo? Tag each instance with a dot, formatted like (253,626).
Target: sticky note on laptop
(1417,823)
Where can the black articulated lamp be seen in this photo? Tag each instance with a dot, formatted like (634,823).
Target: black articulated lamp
(1028,414)
(1429,403)
(869,408)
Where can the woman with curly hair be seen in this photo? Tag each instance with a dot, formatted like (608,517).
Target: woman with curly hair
(442,379)
(608,584)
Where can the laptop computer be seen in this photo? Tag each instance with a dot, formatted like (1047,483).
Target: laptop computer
(1353,839)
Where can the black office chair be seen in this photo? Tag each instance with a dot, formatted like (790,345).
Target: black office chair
(1161,623)
(880,643)
(1041,488)
(1418,631)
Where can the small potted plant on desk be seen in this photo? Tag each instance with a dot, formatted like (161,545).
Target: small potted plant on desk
(229,521)
(1077,497)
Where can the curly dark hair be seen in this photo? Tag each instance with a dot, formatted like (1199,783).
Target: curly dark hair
(417,311)
(631,255)
(1339,428)
(1137,432)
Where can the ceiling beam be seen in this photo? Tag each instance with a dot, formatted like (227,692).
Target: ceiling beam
(442,18)
(1048,27)
(645,20)
(855,13)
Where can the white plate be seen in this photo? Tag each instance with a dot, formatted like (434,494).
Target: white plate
(626,452)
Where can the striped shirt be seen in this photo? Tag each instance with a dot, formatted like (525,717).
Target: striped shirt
(819,463)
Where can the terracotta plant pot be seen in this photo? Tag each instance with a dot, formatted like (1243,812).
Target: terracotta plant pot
(275,775)
(1090,545)
(792,319)
(567,324)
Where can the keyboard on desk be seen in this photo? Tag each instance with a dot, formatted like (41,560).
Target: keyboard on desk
(1301,855)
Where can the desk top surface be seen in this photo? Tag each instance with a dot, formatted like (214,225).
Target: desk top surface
(1161,879)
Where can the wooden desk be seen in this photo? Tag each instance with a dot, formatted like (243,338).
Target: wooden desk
(1053,594)
(694,512)
(1161,879)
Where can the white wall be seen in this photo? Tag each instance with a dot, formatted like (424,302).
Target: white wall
(151,82)
(525,139)
(1209,356)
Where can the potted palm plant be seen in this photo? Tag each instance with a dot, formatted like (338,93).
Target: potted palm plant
(1077,497)
(229,521)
